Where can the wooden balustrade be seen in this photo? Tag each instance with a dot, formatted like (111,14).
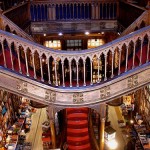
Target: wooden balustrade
(44,11)
(84,68)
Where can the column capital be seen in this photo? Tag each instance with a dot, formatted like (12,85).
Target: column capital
(102,119)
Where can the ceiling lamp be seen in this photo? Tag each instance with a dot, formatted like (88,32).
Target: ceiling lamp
(60,34)
(87,33)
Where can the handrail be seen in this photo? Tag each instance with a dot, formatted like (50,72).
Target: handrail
(90,52)
(14,7)
(45,94)
(14,27)
(143,17)
(116,46)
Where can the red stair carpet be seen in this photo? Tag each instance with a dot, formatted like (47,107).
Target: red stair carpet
(77,129)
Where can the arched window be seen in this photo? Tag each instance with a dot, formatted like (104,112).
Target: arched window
(35,13)
(68,11)
(32,13)
(42,13)
(39,12)
(57,12)
(75,11)
(64,11)
(79,11)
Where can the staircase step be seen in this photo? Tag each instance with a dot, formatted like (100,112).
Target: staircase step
(78,142)
(77,115)
(77,126)
(81,147)
(81,134)
(77,110)
(70,138)
(70,130)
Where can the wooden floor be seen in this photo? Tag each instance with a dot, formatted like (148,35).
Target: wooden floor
(34,136)
(114,116)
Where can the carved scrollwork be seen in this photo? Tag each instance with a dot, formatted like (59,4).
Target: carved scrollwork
(50,96)
(105,92)
(132,81)
(22,86)
(78,98)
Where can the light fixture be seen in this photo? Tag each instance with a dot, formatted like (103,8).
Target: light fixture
(112,144)
(60,34)
(102,33)
(44,34)
(43,60)
(131,121)
(118,33)
(87,33)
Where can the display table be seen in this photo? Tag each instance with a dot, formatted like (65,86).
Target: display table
(143,134)
(121,123)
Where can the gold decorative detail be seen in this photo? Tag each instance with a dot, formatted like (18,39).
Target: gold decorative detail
(22,86)
(50,96)
(78,98)
(132,81)
(105,92)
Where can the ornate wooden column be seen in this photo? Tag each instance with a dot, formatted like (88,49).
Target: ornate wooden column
(77,64)
(70,70)
(56,81)
(102,125)
(63,74)
(51,115)
(98,70)
(11,57)
(126,68)
(42,79)
(119,61)
(19,62)
(26,60)
(84,61)
(54,12)
(133,55)
(105,78)
(35,77)
(91,72)
(93,12)
(49,72)
(141,52)
(49,12)
(112,65)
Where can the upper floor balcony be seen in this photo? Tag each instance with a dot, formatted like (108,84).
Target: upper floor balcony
(73,16)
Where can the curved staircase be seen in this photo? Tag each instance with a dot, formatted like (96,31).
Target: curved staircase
(77,129)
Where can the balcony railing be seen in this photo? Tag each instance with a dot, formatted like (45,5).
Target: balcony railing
(82,68)
(141,21)
(81,10)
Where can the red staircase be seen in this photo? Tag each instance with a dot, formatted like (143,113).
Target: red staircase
(77,129)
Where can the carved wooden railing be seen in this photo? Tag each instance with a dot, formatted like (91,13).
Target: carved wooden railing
(13,28)
(10,26)
(120,66)
(86,67)
(141,21)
